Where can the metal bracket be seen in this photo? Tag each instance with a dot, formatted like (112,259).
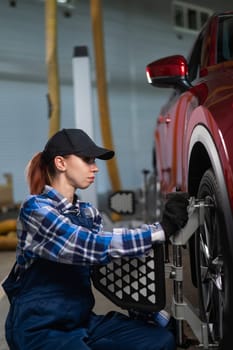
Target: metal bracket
(181,308)
(196,218)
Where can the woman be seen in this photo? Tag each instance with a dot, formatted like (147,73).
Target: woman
(59,239)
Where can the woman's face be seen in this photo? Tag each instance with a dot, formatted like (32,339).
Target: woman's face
(79,172)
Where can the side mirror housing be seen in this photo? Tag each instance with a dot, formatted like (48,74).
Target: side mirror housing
(169,72)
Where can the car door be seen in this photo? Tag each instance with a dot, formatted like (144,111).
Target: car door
(166,124)
(173,121)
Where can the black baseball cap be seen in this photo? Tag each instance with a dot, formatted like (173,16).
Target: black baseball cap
(74,141)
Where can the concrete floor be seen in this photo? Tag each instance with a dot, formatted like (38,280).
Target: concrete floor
(102,304)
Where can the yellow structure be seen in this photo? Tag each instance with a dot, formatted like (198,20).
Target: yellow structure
(52,66)
(96,17)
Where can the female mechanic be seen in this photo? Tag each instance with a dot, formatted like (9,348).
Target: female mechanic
(59,239)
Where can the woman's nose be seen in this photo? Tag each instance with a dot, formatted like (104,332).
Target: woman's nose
(95,168)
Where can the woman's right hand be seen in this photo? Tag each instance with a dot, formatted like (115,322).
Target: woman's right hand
(175,214)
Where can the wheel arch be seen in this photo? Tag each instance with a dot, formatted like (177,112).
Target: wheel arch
(203,155)
(199,162)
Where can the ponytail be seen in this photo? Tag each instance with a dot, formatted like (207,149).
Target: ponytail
(37,174)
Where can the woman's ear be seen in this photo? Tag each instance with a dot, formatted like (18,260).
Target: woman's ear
(60,163)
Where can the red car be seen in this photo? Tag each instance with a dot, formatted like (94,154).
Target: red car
(194,153)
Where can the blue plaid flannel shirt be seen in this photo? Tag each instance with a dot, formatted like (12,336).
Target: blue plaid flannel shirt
(45,231)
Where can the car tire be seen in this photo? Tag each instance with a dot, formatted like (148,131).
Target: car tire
(214,281)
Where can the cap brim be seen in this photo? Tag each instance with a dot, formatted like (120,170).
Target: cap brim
(107,154)
(97,152)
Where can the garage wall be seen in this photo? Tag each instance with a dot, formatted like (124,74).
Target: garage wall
(136,32)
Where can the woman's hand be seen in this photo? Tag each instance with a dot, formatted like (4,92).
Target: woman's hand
(175,214)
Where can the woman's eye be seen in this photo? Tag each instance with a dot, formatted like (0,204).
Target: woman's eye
(88,160)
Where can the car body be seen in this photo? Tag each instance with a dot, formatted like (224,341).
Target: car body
(194,153)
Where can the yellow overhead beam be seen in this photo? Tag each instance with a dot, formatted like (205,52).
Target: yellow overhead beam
(52,66)
(105,124)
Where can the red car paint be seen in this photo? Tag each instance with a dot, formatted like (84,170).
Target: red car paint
(208,102)
(194,152)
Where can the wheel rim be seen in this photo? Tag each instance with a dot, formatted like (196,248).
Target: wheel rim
(211,276)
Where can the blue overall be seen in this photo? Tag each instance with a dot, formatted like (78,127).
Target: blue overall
(51,309)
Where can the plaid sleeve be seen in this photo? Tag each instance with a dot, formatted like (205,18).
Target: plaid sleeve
(132,242)
(44,232)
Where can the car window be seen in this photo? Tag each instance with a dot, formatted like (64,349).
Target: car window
(225,39)
(195,59)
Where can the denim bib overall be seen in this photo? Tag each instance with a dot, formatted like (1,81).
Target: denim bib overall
(51,309)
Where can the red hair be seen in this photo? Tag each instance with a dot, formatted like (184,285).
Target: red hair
(37,174)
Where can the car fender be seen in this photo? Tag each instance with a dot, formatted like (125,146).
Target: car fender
(201,135)
(201,123)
